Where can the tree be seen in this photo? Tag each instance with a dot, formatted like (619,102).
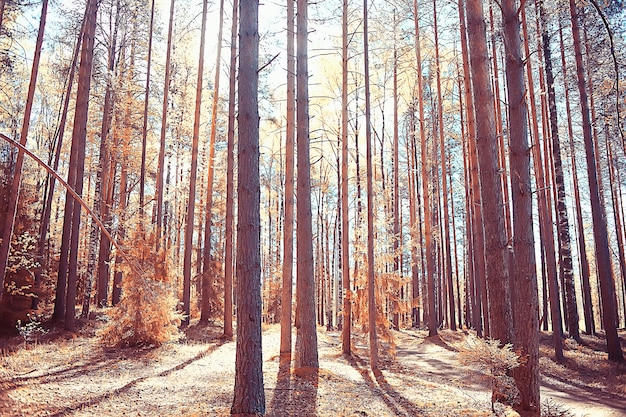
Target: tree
(230,180)
(496,246)
(286,296)
(191,201)
(249,396)
(562,224)
(160,188)
(430,260)
(524,296)
(144,130)
(306,335)
(371,273)
(77,159)
(5,243)
(598,212)
(207,288)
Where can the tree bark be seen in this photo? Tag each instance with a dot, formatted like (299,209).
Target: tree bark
(79,140)
(345,225)
(191,201)
(444,182)
(524,294)
(590,327)
(496,247)
(287,287)
(430,256)
(543,201)
(230,180)
(161,164)
(144,130)
(249,396)
(306,336)
(600,232)
(208,291)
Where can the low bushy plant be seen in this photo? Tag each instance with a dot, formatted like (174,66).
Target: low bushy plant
(494,361)
(146,314)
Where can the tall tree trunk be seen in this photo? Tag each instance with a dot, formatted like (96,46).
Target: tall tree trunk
(543,201)
(396,196)
(47,213)
(480,310)
(345,232)
(208,291)
(286,295)
(590,327)
(497,269)
(191,201)
(306,336)
(79,141)
(444,181)
(413,214)
(600,232)
(524,295)
(371,273)
(249,396)
(104,177)
(430,256)
(144,130)
(161,164)
(14,194)
(230,180)
(565,252)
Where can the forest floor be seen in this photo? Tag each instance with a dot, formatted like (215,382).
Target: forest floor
(64,374)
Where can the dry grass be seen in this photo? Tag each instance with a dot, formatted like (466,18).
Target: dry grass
(73,375)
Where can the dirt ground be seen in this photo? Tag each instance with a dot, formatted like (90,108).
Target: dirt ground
(72,375)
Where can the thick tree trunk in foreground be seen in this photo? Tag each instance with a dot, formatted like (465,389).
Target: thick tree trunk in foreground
(497,270)
(524,294)
(249,396)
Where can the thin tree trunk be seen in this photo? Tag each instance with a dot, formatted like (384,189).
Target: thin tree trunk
(161,164)
(432,315)
(79,141)
(543,201)
(191,201)
(208,291)
(45,218)
(287,283)
(230,180)
(345,233)
(249,395)
(565,253)
(14,193)
(371,276)
(104,177)
(590,327)
(444,180)
(600,232)
(144,130)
